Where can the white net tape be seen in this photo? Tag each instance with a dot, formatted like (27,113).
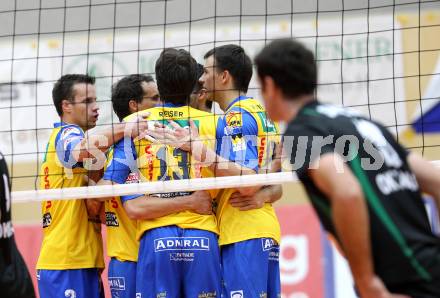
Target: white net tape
(87,192)
(153,187)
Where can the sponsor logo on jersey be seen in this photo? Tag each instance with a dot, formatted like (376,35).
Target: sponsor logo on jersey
(234,125)
(47,219)
(170,114)
(138,295)
(238,144)
(263,295)
(111,220)
(181,243)
(170,195)
(132,178)
(116,283)
(237,294)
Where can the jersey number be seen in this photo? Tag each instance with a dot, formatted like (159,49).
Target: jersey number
(182,162)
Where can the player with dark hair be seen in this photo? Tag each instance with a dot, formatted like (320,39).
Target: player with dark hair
(71,253)
(130,94)
(14,276)
(199,96)
(134,93)
(364,186)
(178,254)
(246,136)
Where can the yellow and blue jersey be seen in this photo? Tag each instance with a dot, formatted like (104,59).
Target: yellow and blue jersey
(121,230)
(157,162)
(70,240)
(246,136)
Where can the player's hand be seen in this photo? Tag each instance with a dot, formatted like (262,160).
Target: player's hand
(201,202)
(276,162)
(88,181)
(138,126)
(374,288)
(184,138)
(244,203)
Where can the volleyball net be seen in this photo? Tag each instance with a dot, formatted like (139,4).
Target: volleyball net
(380,58)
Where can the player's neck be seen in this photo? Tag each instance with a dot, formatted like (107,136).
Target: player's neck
(68,120)
(226,97)
(296,105)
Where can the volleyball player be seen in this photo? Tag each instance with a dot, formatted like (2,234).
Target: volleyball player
(71,253)
(246,140)
(198,99)
(131,94)
(246,136)
(14,276)
(364,186)
(178,254)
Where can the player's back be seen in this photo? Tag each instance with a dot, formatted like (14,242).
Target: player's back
(400,233)
(158,162)
(70,240)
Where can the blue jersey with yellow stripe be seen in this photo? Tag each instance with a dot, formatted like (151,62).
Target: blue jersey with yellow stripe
(246,136)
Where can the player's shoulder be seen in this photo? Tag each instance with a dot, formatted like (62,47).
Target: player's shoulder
(250,104)
(67,131)
(193,112)
(202,116)
(152,111)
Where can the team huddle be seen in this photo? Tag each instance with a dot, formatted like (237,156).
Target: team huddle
(225,243)
(178,244)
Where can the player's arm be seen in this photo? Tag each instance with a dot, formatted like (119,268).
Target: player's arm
(94,207)
(121,164)
(99,139)
(351,220)
(427,175)
(189,140)
(268,194)
(149,207)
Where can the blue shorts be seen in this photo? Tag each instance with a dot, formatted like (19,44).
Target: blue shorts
(122,278)
(251,269)
(175,263)
(74,283)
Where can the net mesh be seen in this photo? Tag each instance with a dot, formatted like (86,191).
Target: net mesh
(380,58)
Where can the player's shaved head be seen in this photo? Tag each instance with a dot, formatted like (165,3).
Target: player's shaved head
(64,88)
(176,75)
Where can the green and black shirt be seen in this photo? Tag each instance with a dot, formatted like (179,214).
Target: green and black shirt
(403,245)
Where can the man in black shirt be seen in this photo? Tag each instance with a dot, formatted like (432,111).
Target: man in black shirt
(365,188)
(14,276)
